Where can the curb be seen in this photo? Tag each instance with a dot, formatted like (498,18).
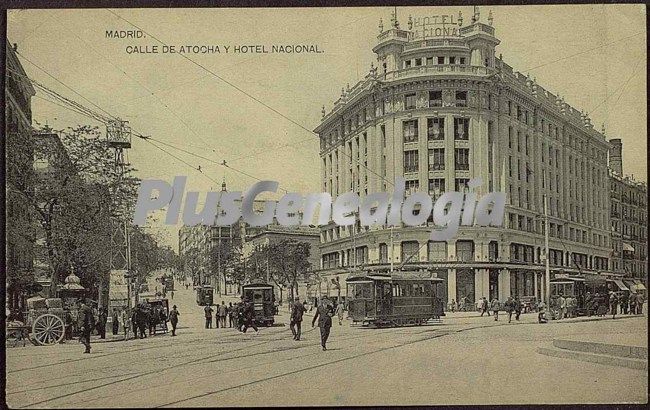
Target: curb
(630,363)
(634,352)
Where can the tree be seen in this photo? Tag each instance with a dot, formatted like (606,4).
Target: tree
(288,263)
(226,257)
(74,192)
(191,265)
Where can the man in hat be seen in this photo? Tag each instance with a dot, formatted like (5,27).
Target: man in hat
(297,311)
(324,314)
(88,324)
(249,316)
(173,319)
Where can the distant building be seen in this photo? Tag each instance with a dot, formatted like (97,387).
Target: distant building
(19,158)
(206,239)
(629,216)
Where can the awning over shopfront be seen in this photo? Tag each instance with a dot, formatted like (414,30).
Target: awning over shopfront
(627,247)
(635,285)
(620,284)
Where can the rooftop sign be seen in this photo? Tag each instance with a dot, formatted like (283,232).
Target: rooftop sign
(445,25)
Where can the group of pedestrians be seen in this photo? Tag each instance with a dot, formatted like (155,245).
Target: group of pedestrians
(511,306)
(600,304)
(241,315)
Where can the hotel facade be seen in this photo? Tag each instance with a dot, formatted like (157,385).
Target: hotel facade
(440,107)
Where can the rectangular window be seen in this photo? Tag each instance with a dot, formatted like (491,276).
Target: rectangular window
(527,142)
(461,128)
(441,60)
(436,159)
(407,64)
(461,184)
(409,101)
(411,161)
(461,98)
(435,98)
(452,60)
(437,251)
(383,253)
(412,186)
(429,60)
(462,61)
(465,251)
(510,132)
(461,159)
(410,130)
(383,135)
(410,250)
(418,62)
(436,186)
(436,128)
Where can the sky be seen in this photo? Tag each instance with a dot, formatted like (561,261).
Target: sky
(259,119)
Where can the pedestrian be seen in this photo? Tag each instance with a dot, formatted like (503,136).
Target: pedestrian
(173,319)
(115,322)
(216,316)
(480,305)
(624,302)
(340,309)
(249,316)
(134,321)
(223,312)
(510,307)
(613,304)
(126,324)
(172,293)
(324,314)
(68,325)
(589,303)
(561,304)
(518,308)
(494,305)
(453,305)
(231,313)
(486,306)
(632,302)
(101,323)
(208,316)
(143,320)
(154,315)
(298,309)
(639,303)
(541,312)
(162,318)
(88,323)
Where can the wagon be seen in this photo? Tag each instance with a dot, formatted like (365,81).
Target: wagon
(46,320)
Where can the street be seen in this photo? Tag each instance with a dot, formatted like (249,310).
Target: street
(465,360)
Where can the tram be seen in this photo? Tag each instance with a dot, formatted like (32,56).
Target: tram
(204,295)
(394,299)
(578,287)
(263,298)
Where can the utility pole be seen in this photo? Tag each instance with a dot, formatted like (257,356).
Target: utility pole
(547,273)
(391,249)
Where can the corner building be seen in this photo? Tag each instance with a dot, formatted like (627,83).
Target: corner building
(440,111)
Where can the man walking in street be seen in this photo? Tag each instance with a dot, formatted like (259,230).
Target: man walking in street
(249,316)
(324,314)
(340,309)
(208,316)
(639,303)
(510,307)
(173,319)
(223,312)
(561,301)
(115,322)
(613,303)
(494,305)
(541,315)
(517,308)
(88,323)
(297,311)
(231,315)
(485,306)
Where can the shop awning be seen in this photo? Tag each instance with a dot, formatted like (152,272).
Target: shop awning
(627,247)
(620,284)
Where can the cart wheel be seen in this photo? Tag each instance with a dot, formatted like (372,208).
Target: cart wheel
(48,329)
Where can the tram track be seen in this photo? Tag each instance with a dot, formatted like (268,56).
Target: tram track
(215,358)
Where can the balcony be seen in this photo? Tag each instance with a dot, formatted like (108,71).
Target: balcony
(437,167)
(441,69)
(413,45)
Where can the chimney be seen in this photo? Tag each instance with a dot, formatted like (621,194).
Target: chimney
(616,155)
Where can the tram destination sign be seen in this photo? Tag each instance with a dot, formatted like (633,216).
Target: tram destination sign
(443,25)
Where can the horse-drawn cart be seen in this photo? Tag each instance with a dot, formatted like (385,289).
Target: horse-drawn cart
(45,322)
